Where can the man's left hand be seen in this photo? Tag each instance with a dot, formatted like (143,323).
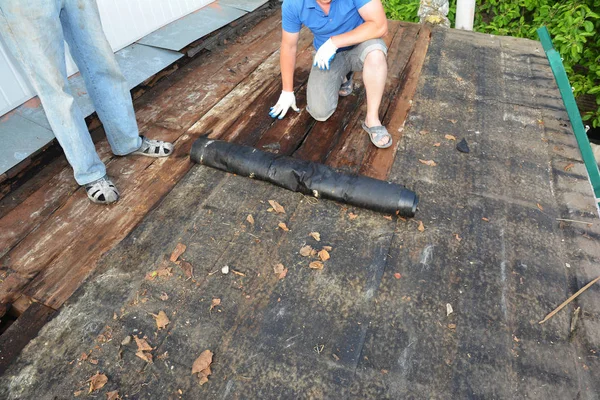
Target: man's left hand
(325,54)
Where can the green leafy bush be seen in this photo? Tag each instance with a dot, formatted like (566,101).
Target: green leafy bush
(573,24)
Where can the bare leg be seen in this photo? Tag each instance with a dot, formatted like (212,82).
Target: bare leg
(374,77)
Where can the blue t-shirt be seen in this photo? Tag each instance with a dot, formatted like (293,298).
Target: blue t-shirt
(343,17)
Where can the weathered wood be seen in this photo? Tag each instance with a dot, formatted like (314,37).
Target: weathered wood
(378,162)
(353,144)
(21,332)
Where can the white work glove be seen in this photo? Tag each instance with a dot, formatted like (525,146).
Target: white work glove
(325,54)
(286,100)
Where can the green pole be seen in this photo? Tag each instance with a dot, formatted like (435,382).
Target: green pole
(566,92)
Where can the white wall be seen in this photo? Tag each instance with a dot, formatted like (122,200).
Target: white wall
(124,22)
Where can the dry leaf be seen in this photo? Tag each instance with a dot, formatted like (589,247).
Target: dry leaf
(250,219)
(450,137)
(278,268)
(569,167)
(164,296)
(114,395)
(145,356)
(142,344)
(315,235)
(97,382)
(306,251)
(485,219)
(161,319)
(388,217)
(540,207)
(316,265)
(187,268)
(328,248)
(423,132)
(431,163)
(283,227)
(421,227)
(78,393)
(214,303)
(453,121)
(179,250)
(437,144)
(283,274)
(202,366)
(397,275)
(324,255)
(457,237)
(277,207)
(84,356)
(352,216)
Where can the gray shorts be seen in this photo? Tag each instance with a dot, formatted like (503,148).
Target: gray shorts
(324,85)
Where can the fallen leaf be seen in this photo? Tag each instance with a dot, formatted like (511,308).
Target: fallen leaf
(388,217)
(352,216)
(453,121)
(164,296)
(202,366)
(423,132)
(161,319)
(450,137)
(485,219)
(114,395)
(250,219)
(215,303)
(431,163)
(569,167)
(397,275)
(97,382)
(328,248)
(421,227)
(277,207)
(142,345)
(145,356)
(437,144)
(278,268)
(84,356)
(78,393)
(384,371)
(283,227)
(316,265)
(179,250)
(187,268)
(457,237)
(540,207)
(324,255)
(306,251)
(283,274)
(315,235)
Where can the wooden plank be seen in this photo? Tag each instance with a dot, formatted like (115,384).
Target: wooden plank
(65,270)
(353,144)
(21,332)
(378,162)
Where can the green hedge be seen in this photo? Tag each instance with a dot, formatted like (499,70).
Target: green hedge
(573,24)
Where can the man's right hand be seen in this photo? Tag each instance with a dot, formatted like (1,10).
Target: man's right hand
(286,100)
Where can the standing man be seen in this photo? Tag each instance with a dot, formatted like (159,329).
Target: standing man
(347,37)
(35,31)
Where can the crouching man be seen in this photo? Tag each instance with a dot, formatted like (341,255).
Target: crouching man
(347,37)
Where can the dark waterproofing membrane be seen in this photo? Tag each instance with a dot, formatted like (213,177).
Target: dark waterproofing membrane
(306,177)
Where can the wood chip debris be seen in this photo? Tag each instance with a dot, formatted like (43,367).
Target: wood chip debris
(114,395)
(430,163)
(388,217)
(450,137)
(449,309)
(278,208)
(202,366)
(352,216)
(250,219)
(437,144)
(540,207)
(457,237)
(421,227)
(315,235)
(570,299)
(179,250)
(283,227)
(569,167)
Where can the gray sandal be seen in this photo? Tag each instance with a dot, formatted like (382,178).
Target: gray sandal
(376,133)
(102,191)
(154,148)
(347,86)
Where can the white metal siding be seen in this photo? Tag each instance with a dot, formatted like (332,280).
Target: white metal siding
(124,21)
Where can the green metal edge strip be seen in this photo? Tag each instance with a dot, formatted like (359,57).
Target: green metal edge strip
(566,92)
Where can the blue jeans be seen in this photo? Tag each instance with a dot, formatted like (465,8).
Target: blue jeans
(35,31)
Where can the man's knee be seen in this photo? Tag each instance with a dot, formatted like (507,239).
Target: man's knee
(319,112)
(376,57)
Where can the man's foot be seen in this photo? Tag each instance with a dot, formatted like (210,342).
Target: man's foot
(154,148)
(102,191)
(379,136)
(347,86)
